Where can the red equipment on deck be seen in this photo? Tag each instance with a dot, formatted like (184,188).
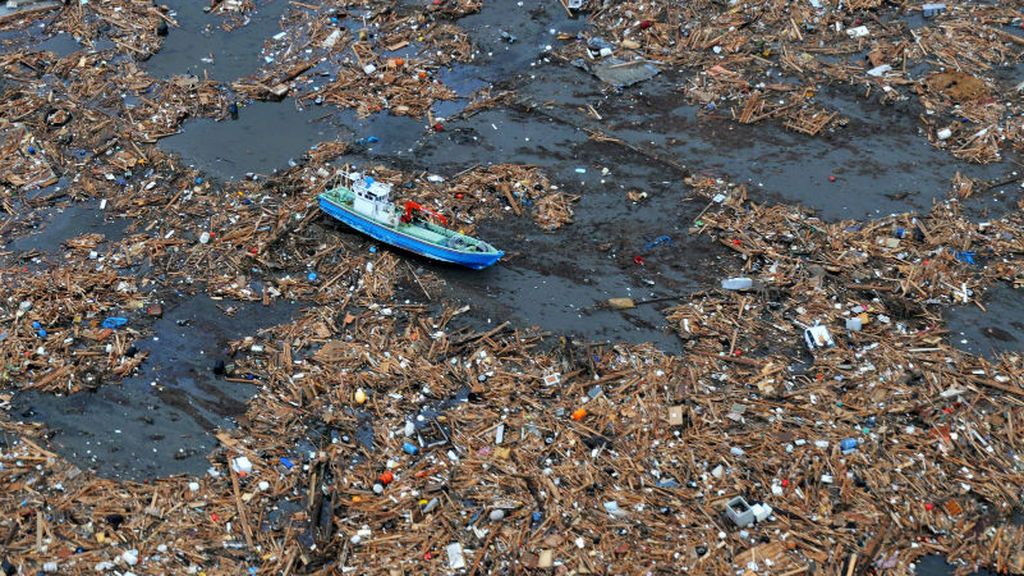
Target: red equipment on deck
(412,207)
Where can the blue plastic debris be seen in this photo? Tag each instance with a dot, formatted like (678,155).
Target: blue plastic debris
(536,517)
(114,322)
(199,180)
(663,239)
(31,149)
(373,249)
(964,256)
(312,276)
(36,325)
(848,445)
(410,448)
(41,333)
(287,463)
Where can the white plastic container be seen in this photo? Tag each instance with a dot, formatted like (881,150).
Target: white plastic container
(739,511)
(242,466)
(858,32)
(456,560)
(761,512)
(818,337)
(737,284)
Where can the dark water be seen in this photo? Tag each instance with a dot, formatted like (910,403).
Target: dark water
(999,328)
(54,226)
(162,421)
(199,36)
(60,44)
(269,135)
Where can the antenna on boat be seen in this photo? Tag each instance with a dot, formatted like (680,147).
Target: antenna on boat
(337,179)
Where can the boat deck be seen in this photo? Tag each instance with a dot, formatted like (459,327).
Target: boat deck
(423,233)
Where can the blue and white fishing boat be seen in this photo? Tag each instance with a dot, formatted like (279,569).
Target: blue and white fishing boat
(366,205)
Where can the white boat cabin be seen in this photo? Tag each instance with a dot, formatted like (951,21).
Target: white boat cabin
(373,199)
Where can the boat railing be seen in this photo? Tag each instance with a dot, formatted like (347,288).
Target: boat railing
(343,179)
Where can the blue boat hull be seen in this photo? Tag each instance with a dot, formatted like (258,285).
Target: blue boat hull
(393,237)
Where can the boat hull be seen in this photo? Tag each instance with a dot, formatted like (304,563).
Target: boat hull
(394,237)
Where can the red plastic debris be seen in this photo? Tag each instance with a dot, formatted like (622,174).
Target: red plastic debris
(645,24)
(254,250)
(785,482)
(387,478)
(831,177)
(929,506)
(459,195)
(438,127)
(735,241)
(638,260)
